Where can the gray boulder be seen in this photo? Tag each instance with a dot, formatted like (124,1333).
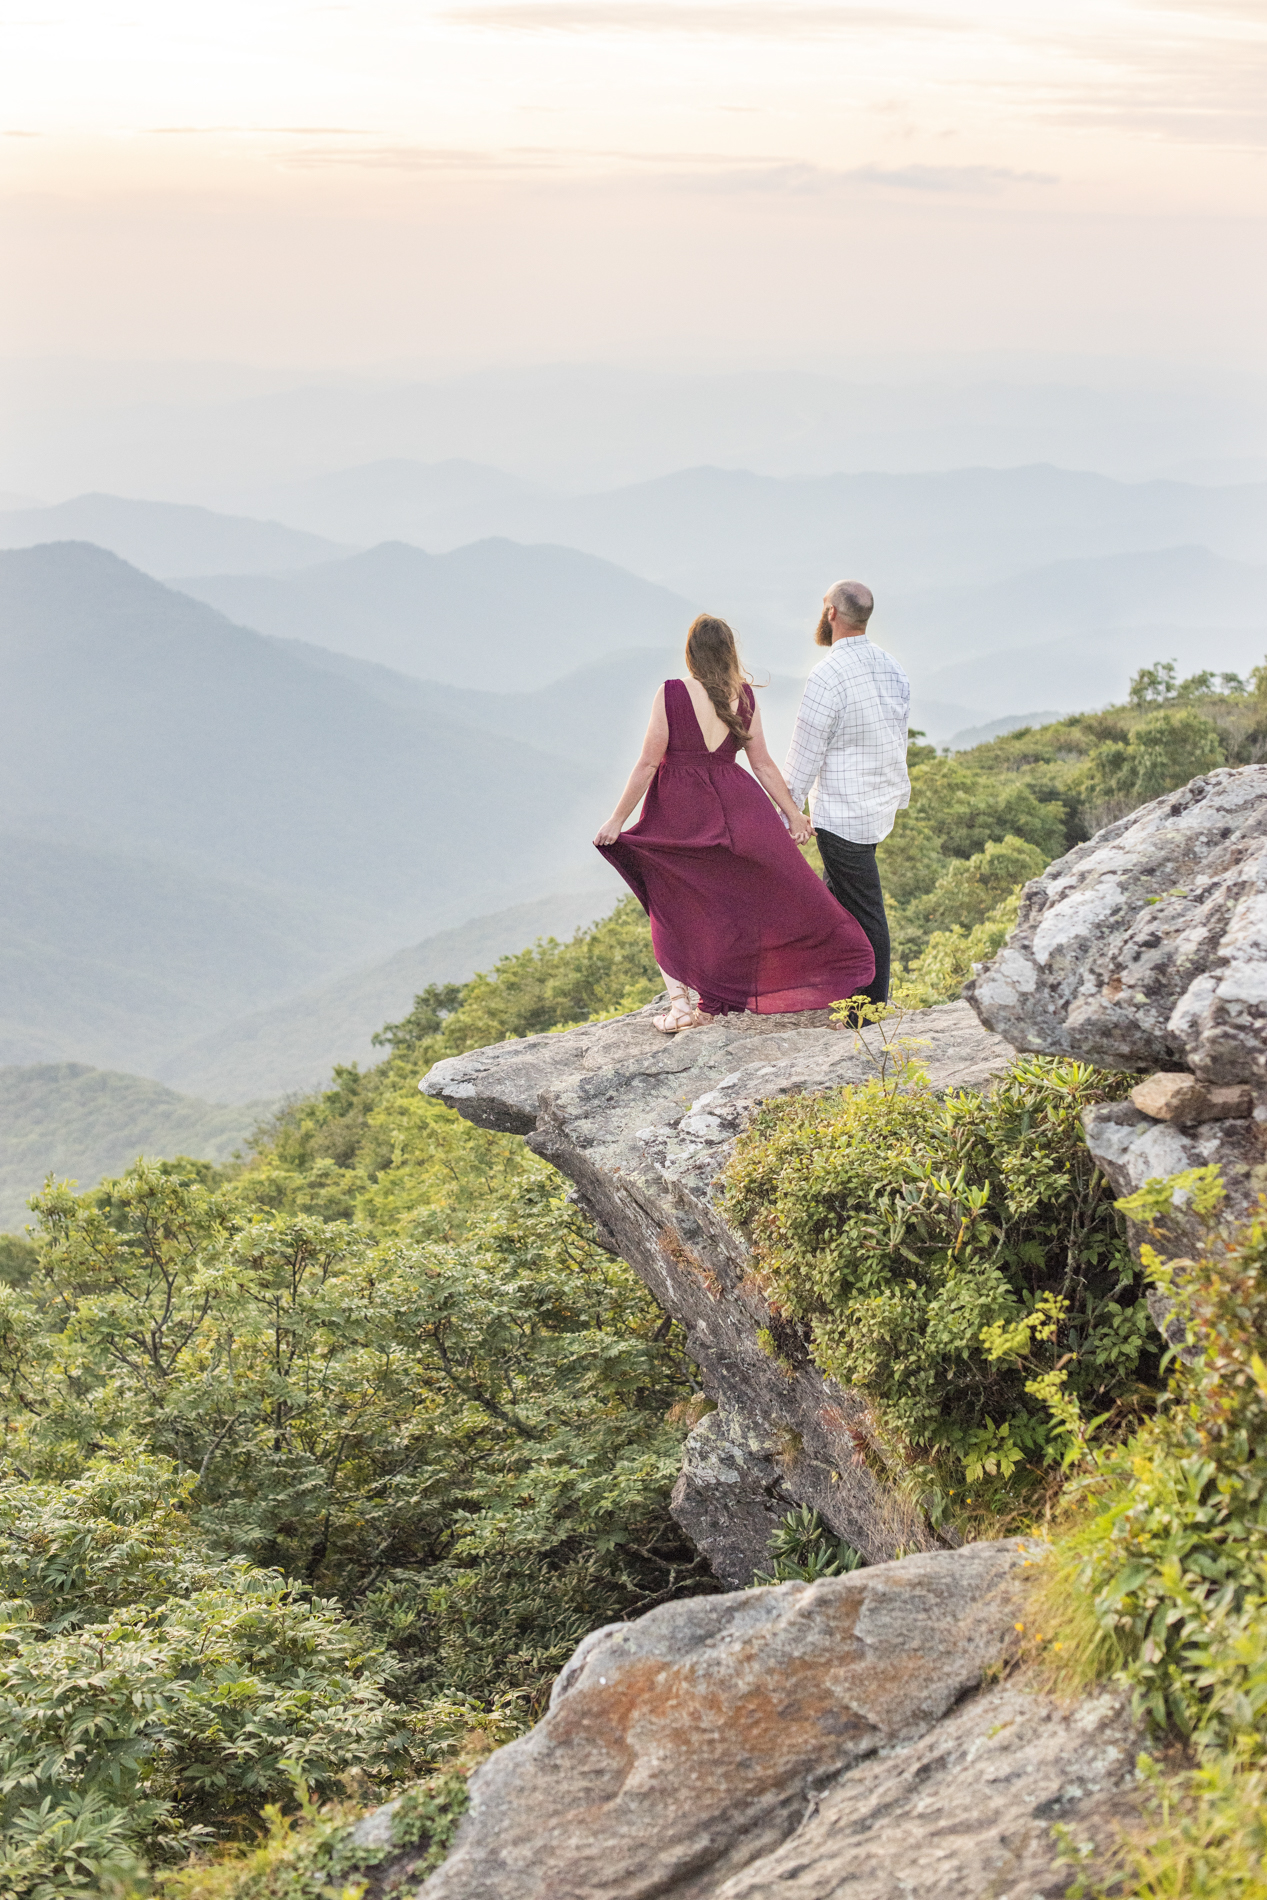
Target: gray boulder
(1146,948)
(791,1741)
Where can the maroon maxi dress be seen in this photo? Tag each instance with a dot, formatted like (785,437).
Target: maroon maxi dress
(736,912)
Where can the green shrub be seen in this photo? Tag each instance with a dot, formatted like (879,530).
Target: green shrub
(1203,1836)
(899,1229)
(802,1550)
(316,1855)
(375,1420)
(1159,1572)
(973,887)
(1162,1569)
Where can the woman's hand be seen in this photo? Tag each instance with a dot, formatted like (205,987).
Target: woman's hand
(608,833)
(800,828)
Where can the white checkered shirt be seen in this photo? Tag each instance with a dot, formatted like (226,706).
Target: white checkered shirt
(850,742)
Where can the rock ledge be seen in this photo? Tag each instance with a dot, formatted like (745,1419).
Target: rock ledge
(643,1125)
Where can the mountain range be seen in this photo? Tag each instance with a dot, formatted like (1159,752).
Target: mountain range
(494,614)
(292,1047)
(760,549)
(233,435)
(166,538)
(198,823)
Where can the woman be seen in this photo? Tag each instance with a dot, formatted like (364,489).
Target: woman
(736,912)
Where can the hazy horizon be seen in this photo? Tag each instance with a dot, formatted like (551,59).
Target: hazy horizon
(791,183)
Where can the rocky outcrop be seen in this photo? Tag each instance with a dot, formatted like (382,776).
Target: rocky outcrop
(790,1742)
(643,1126)
(1146,948)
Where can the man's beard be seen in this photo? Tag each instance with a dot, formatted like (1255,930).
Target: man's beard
(822,632)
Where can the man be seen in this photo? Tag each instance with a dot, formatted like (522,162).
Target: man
(850,746)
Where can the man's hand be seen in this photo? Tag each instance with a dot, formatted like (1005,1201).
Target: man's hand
(800,828)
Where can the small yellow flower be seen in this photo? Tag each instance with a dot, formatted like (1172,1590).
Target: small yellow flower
(1019,1627)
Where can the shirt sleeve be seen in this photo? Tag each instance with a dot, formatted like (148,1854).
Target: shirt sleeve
(815,723)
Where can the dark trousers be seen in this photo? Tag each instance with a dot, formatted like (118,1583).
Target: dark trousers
(853,878)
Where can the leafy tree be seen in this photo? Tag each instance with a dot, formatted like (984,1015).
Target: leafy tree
(943,966)
(1164,751)
(1153,685)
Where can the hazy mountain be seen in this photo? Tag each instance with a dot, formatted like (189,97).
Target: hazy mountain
(760,549)
(294,1046)
(1186,588)
(1128,609)
(164,538)
(175,731)
(1083,672)
(220,433)
(115,956)
(490,613)
(397,500)
(79,1124)
(1109,618)
(995,728)
(245,824)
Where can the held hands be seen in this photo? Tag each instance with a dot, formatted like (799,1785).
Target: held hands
(800,828)
(608,833)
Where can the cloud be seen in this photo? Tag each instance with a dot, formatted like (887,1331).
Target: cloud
(801,180)
(749,19)
(700,171)
(1185,89)
(266,131)
(974,178)
(1205,10)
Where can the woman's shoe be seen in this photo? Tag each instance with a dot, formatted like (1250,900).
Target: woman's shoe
(679,1016)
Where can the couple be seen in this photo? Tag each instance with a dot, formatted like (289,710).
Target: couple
(738,917)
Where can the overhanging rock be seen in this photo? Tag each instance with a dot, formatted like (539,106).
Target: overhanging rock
(643,1126)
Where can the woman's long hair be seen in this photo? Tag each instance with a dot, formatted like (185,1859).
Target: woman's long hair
(713,659)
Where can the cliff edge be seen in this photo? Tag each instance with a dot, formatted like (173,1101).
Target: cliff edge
(643,1125)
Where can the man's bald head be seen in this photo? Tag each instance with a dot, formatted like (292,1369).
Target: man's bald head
(846,610)
(852,601)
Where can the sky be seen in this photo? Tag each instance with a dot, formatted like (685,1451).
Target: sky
(765,182)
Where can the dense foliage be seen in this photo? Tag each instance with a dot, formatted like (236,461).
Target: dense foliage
(321,1463)
(947,1257)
